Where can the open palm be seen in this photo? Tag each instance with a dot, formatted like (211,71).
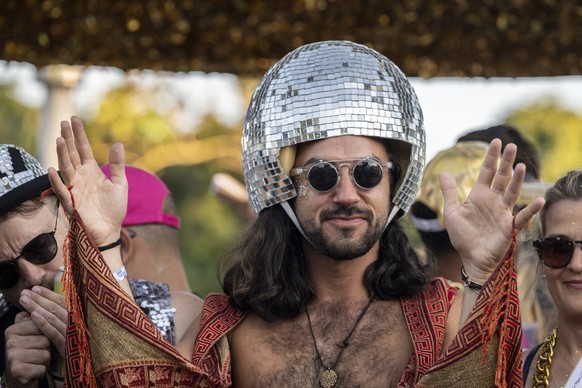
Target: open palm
(96,198)
(481,228)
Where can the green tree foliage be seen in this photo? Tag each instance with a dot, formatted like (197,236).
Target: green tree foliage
(18,122)
(556,132)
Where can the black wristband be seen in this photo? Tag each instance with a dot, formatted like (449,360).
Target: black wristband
(468,282)
(112,245)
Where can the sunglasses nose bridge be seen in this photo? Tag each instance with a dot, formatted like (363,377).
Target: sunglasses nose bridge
(349,170)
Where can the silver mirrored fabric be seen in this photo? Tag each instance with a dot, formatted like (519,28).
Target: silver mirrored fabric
(17,167)
(326,89)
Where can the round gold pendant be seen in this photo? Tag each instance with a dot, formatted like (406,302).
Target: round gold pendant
(327,378)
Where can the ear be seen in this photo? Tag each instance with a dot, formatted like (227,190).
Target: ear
(127,246)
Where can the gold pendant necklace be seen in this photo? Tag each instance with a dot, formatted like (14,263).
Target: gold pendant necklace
(328,378)
(542,373)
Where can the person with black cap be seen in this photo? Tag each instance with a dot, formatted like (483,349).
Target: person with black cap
(30,227)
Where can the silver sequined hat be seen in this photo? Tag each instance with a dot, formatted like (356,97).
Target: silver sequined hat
(21,177)
(327,89)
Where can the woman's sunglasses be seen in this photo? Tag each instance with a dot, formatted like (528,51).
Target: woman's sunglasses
(556,252)
(40,250)
(323,175)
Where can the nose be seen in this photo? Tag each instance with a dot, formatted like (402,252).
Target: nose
(31,274)
(575,264)
(346,192)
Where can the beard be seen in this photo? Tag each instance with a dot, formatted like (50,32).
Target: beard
(348,246)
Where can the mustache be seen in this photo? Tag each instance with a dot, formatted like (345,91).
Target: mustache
(345,211)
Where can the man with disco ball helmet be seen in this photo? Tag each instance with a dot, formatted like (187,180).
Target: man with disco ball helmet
(323,288)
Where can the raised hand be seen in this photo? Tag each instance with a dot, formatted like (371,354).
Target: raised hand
(100,202)
(481,228)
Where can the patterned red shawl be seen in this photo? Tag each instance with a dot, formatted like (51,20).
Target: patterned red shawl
(111,342)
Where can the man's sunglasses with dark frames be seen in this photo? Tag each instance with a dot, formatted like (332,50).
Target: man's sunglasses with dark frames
(323,175)
(40,250)
(556,252)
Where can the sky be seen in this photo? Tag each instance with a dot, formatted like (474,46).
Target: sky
(451,106)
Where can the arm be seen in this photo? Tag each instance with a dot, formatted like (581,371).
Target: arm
(481,229)
(100,202)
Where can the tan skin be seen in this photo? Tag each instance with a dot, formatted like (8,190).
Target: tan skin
(281,352)
(564,219)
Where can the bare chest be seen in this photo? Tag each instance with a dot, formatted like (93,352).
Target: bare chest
(287,354)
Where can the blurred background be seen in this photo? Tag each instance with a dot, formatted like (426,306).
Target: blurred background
(172,80)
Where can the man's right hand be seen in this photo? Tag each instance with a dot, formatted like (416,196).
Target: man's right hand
(28,352)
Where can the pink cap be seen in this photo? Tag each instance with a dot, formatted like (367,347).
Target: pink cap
(145,200)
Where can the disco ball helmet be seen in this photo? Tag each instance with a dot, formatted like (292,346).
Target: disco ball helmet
(322,90)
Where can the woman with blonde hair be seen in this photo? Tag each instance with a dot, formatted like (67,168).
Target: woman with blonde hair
(560,251)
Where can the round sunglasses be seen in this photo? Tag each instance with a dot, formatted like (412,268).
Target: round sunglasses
(40,250)
(556,252)
(324,176)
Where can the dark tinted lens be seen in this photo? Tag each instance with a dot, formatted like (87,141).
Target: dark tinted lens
(322,176)
(9,275)
(41,249)
(367,173)
(556,252)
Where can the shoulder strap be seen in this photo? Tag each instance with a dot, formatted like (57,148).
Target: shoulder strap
(529,360)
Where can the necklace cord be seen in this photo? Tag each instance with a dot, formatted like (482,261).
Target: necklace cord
(343,344)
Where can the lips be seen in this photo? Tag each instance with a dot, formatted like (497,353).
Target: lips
(348,215)
(577,284)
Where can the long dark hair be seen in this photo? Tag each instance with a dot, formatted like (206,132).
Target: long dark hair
(266,272)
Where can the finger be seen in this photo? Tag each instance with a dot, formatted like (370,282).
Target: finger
(49,316)
(26,365)
(61,191)
(36,351)
(67,134)
(50,295)
(449,190)
(505,170)
(526,214)
(48,326)
(489,166)
(117,164)
(23,326)
(22,316)
(81,141)
(49,300)
(513,191)
(65,165)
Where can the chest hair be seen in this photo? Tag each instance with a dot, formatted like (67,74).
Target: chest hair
(376,355)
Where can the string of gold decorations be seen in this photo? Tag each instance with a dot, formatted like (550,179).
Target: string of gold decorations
(542,372)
